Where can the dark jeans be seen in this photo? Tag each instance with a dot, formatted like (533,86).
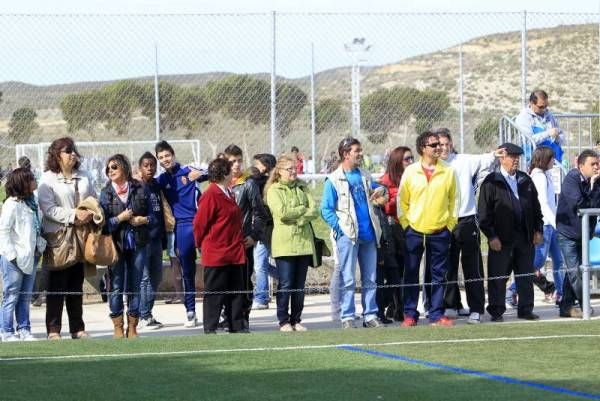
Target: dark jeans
(292,276)
(572,285)
(151,277)
(248,286)
(186,249)
(436,247)
(465,246)
(517,257)
(68,280)
(223,279)
(390,269)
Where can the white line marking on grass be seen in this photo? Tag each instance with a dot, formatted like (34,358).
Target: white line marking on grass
(294,348)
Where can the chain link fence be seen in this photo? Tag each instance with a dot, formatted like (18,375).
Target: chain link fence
(384,77)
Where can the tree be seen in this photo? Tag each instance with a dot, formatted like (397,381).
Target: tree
(385,109)
(290,102)
(329,113)
(22,124)
(430,106)
(83,110)
(241,97)
(120,100)
(178,107)
(486,133)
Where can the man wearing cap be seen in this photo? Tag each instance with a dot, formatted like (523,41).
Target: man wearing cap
(510,216)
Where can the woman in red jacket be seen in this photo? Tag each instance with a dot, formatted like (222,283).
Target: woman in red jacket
(218,234)
(390,266)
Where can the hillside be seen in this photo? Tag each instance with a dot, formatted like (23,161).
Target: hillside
(563,60)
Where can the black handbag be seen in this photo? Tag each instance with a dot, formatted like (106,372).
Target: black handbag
(321,249)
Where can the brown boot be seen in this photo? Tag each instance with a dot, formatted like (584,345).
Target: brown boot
(118,323)
(132,323)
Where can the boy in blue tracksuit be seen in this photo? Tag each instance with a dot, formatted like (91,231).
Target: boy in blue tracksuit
(179,187)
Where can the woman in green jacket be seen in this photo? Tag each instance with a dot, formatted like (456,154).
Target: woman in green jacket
(292,242)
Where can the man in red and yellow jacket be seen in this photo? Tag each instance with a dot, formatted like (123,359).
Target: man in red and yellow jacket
(427,212)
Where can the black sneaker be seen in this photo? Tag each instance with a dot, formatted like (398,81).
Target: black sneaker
(497,319)
(529,316)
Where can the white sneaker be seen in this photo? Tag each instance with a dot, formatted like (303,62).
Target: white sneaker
(191,320)
(26,335)
(9,337)
(299,327)
(474,318)
(451,313)
(149,324)
(286,328)
(463,312)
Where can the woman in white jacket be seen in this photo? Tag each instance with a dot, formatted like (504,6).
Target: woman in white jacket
(20,244)
(541,163)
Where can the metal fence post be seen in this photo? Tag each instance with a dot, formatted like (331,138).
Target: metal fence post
(313,117)
(462,99)
(273,84)
(156,95)
(524,60)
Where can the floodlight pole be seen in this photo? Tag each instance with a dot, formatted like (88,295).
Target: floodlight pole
(357,49)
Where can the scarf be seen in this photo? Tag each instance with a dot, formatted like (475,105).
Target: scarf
(122,191)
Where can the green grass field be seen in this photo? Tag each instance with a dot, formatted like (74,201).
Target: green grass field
(312,365)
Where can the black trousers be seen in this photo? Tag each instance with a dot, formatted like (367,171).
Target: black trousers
(466,248)
(248,286)
(390,270)
(223,279)
(67,280)
(515,257)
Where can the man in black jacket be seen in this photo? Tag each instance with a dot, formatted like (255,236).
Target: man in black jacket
(579,190)
(254,216)
(511,219)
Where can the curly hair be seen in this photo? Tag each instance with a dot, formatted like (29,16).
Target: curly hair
(53,159)
(218,169)
(422,140)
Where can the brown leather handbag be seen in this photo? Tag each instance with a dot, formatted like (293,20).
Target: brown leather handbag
(100,249)
(63,248)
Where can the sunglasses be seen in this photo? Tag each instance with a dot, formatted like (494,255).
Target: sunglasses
(114,167)
(433,145)
(290,169)
(68,151)
(408,159)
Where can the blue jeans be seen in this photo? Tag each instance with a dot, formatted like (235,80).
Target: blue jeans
(572,285)
(334,286)
(551,246)
(262,270)
(437,249)
(127,271)
(151,277)
(16,296)
(292,276)
(365,253)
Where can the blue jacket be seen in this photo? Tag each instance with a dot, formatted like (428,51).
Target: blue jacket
(575,194)
(181,193)
(157,227)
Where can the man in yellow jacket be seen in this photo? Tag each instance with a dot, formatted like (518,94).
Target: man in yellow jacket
(427,211)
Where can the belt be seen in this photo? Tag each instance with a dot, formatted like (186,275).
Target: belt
(471,217)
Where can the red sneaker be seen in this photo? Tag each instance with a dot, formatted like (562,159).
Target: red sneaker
(408,322)
(444,321)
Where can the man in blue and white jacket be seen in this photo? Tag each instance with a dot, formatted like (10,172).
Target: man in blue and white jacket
(537,121)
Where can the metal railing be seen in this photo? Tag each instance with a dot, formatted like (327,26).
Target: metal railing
(585,262)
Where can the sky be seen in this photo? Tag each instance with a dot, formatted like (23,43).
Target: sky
(90,46)
(228,6)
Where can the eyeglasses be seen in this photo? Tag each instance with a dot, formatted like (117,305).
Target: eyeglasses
(433,145)
(114,167)
(408,159)
(68,151)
